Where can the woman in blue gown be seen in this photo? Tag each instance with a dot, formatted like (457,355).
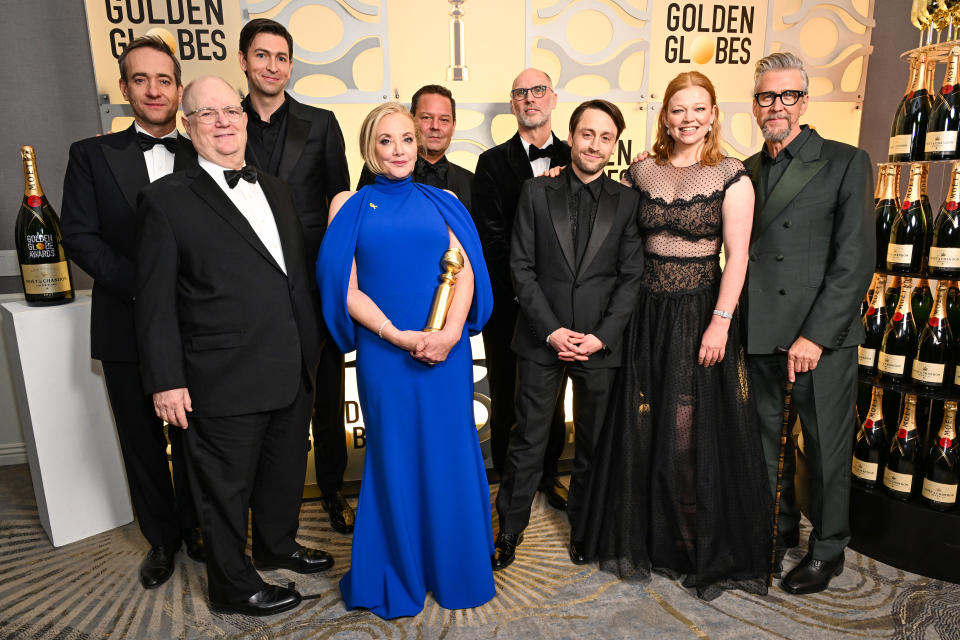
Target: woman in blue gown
(423,520)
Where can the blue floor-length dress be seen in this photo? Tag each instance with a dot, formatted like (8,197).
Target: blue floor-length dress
(423,520)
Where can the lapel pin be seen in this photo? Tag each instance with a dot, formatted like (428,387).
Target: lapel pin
(373,206)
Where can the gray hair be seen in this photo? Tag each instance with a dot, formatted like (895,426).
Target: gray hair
(780,61)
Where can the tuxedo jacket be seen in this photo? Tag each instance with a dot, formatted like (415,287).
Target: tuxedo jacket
(99,219)
(215,313)
(812,249)
(313,164)
(500,173)
(595,296)
(459,181)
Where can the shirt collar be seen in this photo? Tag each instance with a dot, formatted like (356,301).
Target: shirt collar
(575,184)
(139,129)
(275,117)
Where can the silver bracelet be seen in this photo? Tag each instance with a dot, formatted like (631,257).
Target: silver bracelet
(722,314)
(380,330)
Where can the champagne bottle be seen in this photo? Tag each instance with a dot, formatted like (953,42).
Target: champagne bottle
(908,233)
(44,269)
(935,347)
(921,301)
(909,131)
(944,258)
(899,339)
(939,490)
(888,206)
(899,472)
(874,325)
(944,124)
(897,146)
(871,444)
(927,210)
(893,294)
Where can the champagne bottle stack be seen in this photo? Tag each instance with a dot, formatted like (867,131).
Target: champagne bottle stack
(44,270)
(909,131)
(907,246)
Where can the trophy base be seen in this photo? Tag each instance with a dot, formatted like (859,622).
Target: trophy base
(458,73)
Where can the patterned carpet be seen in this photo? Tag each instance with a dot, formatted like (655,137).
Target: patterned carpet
(89,590)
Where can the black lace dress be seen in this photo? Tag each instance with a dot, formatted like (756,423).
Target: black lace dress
(679,484)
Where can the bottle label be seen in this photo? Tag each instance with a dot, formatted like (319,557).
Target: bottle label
(41,245)
(902,482)
(900,144)
(941,142)
(939,492)
(945,258)
(927,372)
(865,470)
(46,278)
(899,253)
(866,357)
(889,363)
(956,375)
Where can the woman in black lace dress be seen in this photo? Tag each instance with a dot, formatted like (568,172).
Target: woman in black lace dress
(679,485)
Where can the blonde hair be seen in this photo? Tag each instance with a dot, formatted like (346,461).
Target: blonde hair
(712,152)
(368,132)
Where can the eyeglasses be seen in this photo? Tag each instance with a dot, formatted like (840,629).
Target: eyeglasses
(787,98)
(209,115)
(538,92)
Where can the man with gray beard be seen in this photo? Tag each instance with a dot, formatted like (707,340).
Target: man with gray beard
(811,257)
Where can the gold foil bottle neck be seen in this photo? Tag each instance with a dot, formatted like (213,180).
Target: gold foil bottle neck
(31,182)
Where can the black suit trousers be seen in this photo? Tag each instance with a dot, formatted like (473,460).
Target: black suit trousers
(164,508)
(825,401)
(502,378)
(252,462)
(329,436)
(539,387)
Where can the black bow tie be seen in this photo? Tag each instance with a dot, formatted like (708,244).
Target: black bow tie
(536,153)
(424,171)
(148,142)
(248,173)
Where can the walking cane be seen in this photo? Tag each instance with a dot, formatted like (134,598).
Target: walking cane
(784,432)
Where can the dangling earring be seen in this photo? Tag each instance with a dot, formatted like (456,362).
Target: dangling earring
(667,129)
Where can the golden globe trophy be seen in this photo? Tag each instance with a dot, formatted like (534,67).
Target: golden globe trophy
(452,263)
(457,71)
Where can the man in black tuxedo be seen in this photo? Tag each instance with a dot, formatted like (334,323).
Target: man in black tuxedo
(576,262)
(435,112)
(811,257)
(303,146)
(227,324)
(501,171)
(104,176)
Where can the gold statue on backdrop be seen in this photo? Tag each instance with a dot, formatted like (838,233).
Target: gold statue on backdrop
(452,263)
(457,70)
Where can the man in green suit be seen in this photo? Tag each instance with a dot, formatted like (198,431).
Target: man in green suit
(811,258)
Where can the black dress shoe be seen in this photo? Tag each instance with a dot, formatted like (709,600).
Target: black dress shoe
(193,541)
(575,549)
(556,494)
(303,560)
(266,602)
(340,512)
(811,576)
(506,550)
(157,566)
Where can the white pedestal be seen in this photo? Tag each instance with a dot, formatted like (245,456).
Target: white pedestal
(71,442)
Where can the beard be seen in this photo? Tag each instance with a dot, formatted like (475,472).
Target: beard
(775,135)
(532,122)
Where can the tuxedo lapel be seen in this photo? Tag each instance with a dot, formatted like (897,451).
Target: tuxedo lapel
(801,171)
(208,190)
(557,206)
(185,153)
(298,130)
(126,162)
(606,210)
(291,243)
(518,160)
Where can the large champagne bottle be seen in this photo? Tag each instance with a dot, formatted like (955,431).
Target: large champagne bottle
(944,124)
(932,366)
(909,131)
(939,489)
(899,472)
(899,339)
(888,206)
(944,258)
(871,444)
(874,325)
(44,269)
(908,233)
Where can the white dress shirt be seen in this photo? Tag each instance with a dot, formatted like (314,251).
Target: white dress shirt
(252,203)
(540,165)
(159,160)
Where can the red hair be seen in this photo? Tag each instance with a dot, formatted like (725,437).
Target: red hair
(712,152)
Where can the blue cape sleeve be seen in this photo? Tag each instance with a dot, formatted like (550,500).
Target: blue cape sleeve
(339,247)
